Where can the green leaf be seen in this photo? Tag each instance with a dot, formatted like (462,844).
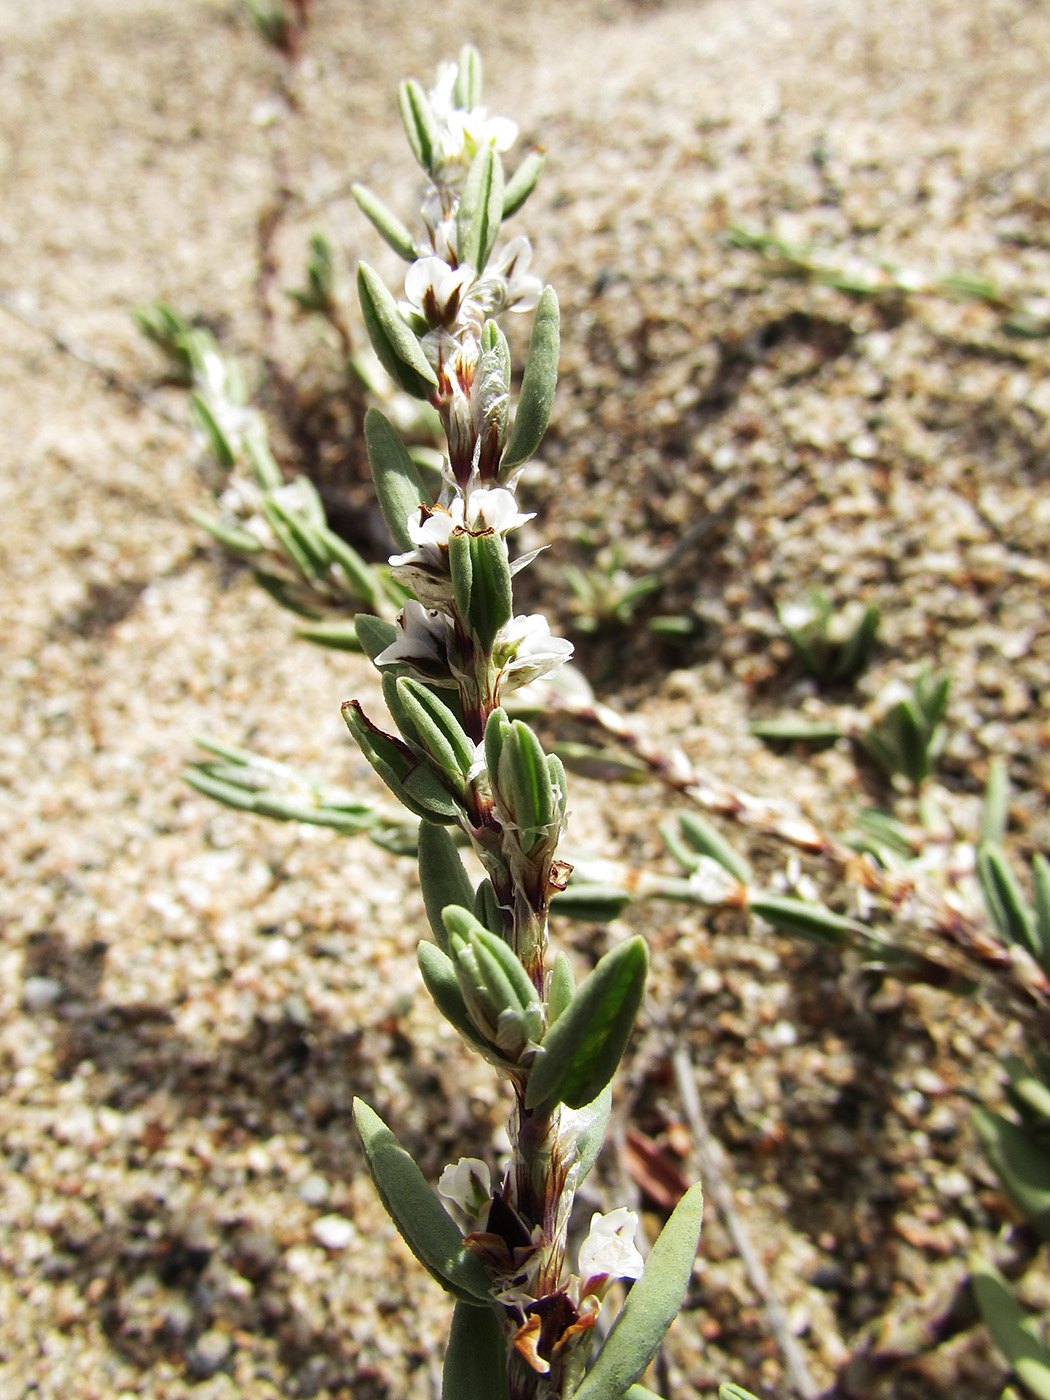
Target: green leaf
(476,1357)
(591,903)
(229,536)
(1022,1166)
(441,733)
(374,633)
(420,126)
(592,1138)
(480,569)
(652,1305)
(361,578)
(487,910)
(442,878)
(393,339)
(538,384)
(524,785)
(388,225)
(813,921)
(853,655)
(466,92)
(439,977)
(338,636)
(795,731)
(1041,900)
(1017,1333)
(397,481)
(1009,910)
(707,840)
(641,1392)
(415,785)
(480,208)
(209,426)
(423,1222)
(1029,1094)
(581,1050)
(506,977)
(560,989)
(522,183)
(728,1391)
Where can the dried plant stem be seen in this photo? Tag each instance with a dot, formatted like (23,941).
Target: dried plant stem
(925,921)
(717,1189)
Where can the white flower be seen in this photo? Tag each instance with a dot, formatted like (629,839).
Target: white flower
(609,1250)
(467,1184)
(506,284)
(425,569)
(434,290)
(524,650)
(462,133)
(421,639)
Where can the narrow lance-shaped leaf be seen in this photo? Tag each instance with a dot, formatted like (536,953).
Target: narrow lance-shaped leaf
(480,208)
(469,75)
(437,726)
(393,339)
(581,1050)
(1007,905)
(652,1305)
(209,425)
(374,633)
(538,384)
(439,977)
(442,877)
(398,484)
(813,921)
(1021,1165)
(706,840)
(476,1357)
(412,782)
(592,1138)
(229,536)
(522,183)
(420,126)
(423,1222)
(561,987)
(1041,900)
(386,222)
(1016,1333)
(591,903)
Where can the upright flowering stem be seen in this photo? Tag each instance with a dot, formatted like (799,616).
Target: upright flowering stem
(463,766)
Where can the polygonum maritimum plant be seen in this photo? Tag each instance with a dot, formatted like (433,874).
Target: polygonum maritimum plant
(524,1319)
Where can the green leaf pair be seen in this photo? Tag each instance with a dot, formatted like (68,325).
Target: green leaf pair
(480,570)
(412,781)
(528,785)
(498,996)
(910,736)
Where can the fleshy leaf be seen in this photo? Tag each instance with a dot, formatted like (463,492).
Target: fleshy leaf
(522,183)
(813,921)
(538,384)
(1016,1333)
(1021,1165)
(706,840)
(595,904)
(592,1139)
(476,1357)
(397,481)
(423,1222)
(480,208)
(439,977)
(393,339)
(581,1050)
(1006,904)
(561,989)
(442,877)
(374,633)
(420,126)
(386,222)
(652,1305)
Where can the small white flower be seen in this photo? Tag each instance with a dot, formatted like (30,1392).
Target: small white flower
(467,1184)
(609,1250)
(462,133)
(506,284)
(421,639)
(425,569)
(435,291)
(524,650)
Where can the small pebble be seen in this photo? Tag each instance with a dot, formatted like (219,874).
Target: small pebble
(333,1231)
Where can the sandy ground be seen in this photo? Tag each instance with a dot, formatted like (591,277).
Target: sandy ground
(191,997)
